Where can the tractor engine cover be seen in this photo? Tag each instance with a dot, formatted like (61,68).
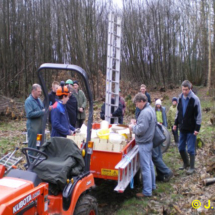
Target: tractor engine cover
(13,187)
(20,196)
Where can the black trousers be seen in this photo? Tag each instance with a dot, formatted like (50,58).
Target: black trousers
(79,123)
(175,134)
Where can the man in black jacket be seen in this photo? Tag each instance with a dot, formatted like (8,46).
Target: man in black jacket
(188,118)
(52,99)
(72,107)
(117,113)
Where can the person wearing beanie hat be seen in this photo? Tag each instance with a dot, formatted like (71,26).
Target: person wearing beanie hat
(75,82)
(160,113)
(82,102)
(158,102)
(171,119)
(174,99)
(163,172)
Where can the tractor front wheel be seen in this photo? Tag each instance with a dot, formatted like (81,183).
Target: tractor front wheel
(87,205)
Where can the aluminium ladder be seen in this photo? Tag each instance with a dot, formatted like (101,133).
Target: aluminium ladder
(113,66)
(9,160)
(127,169)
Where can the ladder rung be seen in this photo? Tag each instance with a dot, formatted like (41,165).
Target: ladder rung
(113,105)
(116,23)
(114,58)
(113,93)
(117,82)
(115,70)
(114,46)
(116,35)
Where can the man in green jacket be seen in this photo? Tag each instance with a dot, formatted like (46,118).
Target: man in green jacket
(82,102)
(171,118)
(34,112)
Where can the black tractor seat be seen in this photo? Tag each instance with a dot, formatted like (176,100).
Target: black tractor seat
(64,160)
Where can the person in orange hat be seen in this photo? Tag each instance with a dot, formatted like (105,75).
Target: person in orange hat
(59,117)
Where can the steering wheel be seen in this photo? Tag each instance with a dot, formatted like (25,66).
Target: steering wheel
(33,161)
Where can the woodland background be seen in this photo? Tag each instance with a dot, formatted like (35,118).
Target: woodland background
(163,41)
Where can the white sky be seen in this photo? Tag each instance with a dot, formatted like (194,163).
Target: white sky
(118,2)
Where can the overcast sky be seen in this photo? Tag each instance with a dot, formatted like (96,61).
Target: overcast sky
(119,2)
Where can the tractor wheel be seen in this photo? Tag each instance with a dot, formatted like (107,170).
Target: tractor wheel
(166,143)
(138,178)
(86,205)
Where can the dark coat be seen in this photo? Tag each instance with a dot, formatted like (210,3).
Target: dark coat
(118,112)
(72,109)
(191,121)
(52,99)
(148,97)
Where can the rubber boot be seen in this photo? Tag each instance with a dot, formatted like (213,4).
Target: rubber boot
(192,164)
(185,159)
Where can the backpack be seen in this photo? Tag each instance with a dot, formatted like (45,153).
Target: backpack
(159,136)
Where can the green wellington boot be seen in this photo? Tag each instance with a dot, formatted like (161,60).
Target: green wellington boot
(191,170)
(185,159)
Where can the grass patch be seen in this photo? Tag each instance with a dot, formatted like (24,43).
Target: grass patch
(163,187)
(133,206)
(11,135)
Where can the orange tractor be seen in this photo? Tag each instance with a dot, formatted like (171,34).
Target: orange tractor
(27,192)
(34,191)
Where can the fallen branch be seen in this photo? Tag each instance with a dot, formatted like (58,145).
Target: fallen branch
(208,181)
(177,209)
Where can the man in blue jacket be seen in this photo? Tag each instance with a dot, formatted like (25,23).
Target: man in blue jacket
(59,117)
(188,119)
(34,112)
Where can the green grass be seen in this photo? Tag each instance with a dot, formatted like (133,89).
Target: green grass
(133,206)
(126,203)
(11,135)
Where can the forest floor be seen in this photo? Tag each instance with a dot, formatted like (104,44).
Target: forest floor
(173,197)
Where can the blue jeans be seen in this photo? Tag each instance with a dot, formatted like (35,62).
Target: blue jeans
(157,159)
(147,168)
(188,139)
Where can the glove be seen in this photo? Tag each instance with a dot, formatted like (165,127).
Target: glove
(77,130)
(71,132)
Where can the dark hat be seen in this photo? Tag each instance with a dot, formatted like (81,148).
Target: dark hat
(174,99)
(75,82)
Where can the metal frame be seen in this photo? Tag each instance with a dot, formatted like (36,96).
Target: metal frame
(79,70)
